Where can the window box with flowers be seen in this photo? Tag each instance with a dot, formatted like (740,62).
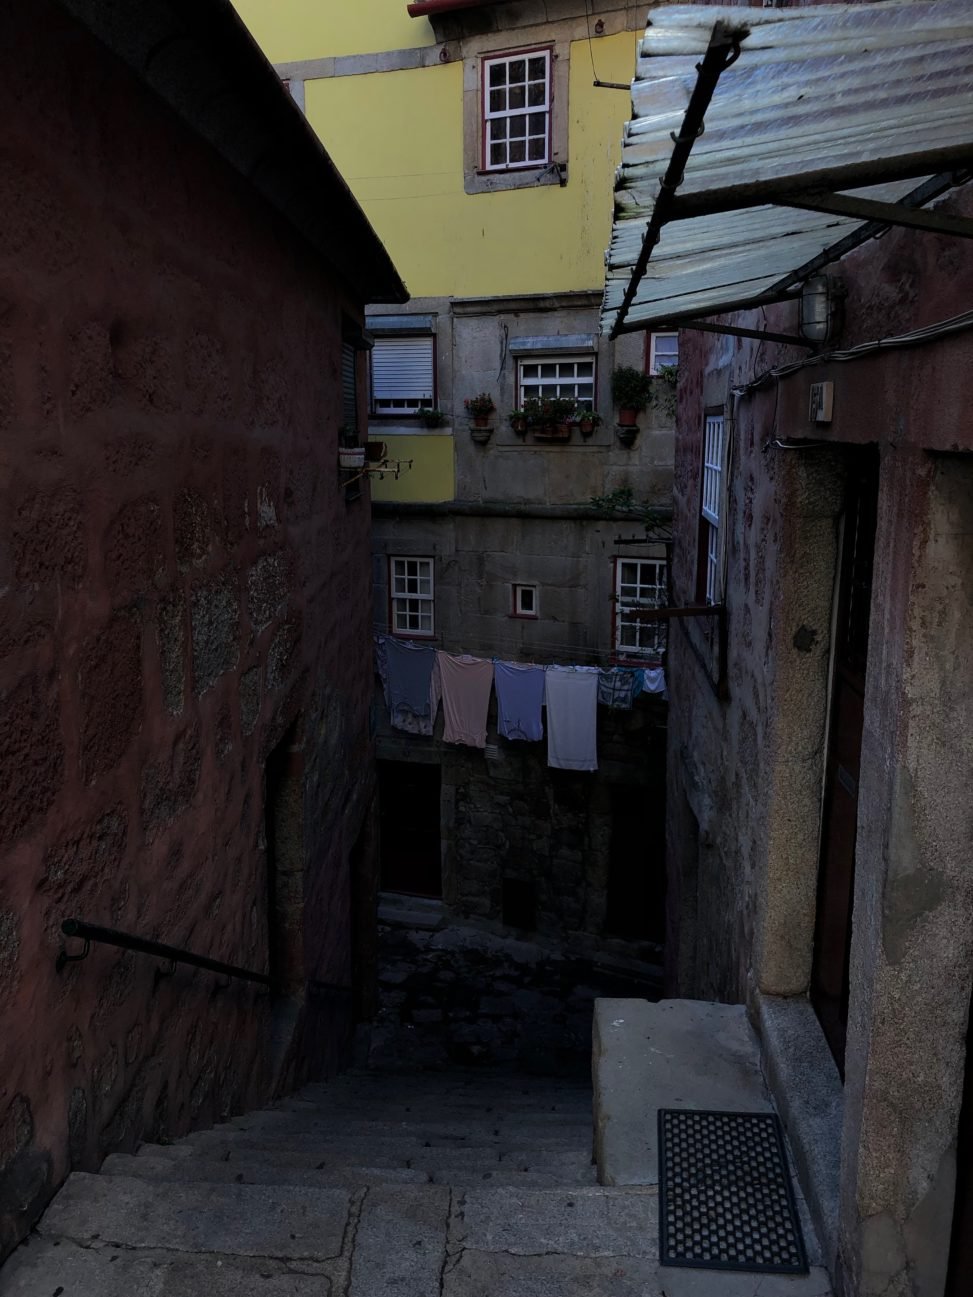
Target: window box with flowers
(480,408)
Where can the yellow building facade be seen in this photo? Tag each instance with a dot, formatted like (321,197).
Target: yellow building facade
(398,101)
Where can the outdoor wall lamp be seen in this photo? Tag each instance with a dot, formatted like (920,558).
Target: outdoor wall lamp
(821,308)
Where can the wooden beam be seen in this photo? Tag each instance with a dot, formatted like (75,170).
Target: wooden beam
(870,209)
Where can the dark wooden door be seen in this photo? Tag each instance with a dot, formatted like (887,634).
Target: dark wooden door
(836,877)
(960,1280)
(411,839)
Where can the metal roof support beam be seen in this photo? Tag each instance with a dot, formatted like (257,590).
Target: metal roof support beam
(924,193)
(869,209)
(764,335)
(852,175)
(723,49)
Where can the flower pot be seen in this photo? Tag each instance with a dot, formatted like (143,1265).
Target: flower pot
(481,420)
(480,434)
(627,416)
(375,452)
(553,432)
(627,433)
(586,427)
(351,457)
(519,426)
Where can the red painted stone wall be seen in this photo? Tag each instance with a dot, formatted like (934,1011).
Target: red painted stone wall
(181,580)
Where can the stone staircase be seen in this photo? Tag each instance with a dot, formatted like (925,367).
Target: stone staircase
(463,1184)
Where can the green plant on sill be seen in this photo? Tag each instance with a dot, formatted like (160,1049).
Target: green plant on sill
(431,418)
(664,390)
(631,388)
(622,500)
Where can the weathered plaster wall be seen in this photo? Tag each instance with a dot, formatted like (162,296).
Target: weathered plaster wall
(745,771)
(181,586)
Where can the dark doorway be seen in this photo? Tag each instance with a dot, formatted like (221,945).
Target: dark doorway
(836,876)
(636,903)
(959,1281)
(409,796)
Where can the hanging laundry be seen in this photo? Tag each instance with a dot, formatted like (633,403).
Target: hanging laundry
(520,696)
(617,687)
(654,679)
(466,684)
(572,717)
(411,684)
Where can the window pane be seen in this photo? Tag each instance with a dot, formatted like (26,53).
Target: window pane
(518,97)
(537,150)
(498,154)
(498,74)
(585,369)
(518,127)
(548,371)
(498,128)
(498,101)
(537,94)
(537,68)
(538,123)
(529,371)
(518,151)
(517,70)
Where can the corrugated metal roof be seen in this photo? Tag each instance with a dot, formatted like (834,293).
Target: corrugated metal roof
(860,99)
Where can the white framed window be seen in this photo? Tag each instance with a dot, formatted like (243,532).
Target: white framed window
(525,601)
(412,597)
(712,502)
(517,110)
(403,371)
(548,376)
(640,583)
(663,351)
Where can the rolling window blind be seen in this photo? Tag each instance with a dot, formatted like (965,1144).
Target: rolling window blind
(402,370)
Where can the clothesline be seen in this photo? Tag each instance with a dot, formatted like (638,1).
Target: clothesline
(582,650)
(416,677)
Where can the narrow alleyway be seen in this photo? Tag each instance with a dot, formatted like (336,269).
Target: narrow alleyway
(417,1184)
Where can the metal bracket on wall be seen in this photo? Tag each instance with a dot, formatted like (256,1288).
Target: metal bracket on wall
(392,466)
(63,958)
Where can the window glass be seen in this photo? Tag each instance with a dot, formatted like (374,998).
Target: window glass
(639,584)
(516,109)
(412,596)
(567,376)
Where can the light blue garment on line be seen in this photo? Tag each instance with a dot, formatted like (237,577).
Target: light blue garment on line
(520,695)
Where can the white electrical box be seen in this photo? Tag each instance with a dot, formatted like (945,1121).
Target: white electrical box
(822,399)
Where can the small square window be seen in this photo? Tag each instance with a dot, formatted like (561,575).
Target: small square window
(517,110)
(525,601)
(566,376)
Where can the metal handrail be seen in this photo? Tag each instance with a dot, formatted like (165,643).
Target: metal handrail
(89,932)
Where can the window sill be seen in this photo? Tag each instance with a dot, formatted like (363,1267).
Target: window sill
(490,182)
(523,616)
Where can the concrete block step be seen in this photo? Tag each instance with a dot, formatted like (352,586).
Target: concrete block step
(197,1170)
(585,1221)
(59,1266)
(382,1151)
(281,1222)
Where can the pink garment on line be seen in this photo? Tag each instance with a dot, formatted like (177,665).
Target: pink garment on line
(466,683)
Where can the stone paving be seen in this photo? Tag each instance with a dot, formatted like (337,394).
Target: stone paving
(451,1184)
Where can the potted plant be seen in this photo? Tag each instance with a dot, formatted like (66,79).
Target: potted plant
(556,416)
(588,421)
(519,422)
(631,391)
(351,454)
(479,408)
(432,418)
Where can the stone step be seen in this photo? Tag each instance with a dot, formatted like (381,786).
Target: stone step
(237,1171)
(408,1154)
(281,1222)
(485,1129)
(58,1266)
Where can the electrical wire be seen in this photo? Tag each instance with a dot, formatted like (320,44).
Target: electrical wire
(548,649)
(915,338)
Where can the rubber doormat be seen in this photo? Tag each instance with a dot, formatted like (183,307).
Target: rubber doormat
(725,1196)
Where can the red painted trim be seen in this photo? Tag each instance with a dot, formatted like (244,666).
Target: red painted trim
(423,8)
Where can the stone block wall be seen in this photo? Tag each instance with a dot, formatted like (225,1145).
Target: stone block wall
(183,591)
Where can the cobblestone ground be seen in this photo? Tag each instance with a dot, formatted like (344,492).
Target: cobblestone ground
(462,996)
